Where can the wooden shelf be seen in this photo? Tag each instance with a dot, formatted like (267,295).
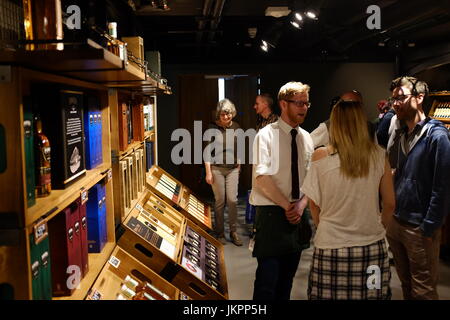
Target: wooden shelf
(133,204)
(127,74)
(89,62)
(86,57)
(445,120)
(150,135)
(439,93)
(59,199)
(148,86)
(130,149)
(96,263)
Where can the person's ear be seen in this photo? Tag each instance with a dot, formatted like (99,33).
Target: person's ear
(282,104)
(420,97)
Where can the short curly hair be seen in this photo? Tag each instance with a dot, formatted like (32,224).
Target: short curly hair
(225,105)
(411,83)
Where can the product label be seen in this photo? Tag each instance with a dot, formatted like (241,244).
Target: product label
(192,268)
(46,154)
(73,130)
(114,262)
(44,177)
(168,248)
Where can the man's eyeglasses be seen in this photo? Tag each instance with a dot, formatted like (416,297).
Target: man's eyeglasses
(401,98)
(306,104)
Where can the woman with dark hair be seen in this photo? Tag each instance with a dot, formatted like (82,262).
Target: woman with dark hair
(343,185)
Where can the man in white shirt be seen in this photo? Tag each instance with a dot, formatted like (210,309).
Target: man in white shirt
(282,152)
(320,135)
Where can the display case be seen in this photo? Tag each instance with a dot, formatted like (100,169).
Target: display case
(125,278)
(181,197)
(440,109)
(176,248)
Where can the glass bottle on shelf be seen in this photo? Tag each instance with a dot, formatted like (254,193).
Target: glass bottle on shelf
(28,23)
(43,21)
(42,161)
(112,43)
(115,45)
(152,291)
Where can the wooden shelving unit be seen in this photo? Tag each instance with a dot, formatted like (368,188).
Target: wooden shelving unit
(96,263)
(440,109)
(171,254)
(97,71)
(59,199)
(22,70)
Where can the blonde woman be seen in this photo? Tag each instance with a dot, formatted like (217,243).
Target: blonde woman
(346,178)
(223,174)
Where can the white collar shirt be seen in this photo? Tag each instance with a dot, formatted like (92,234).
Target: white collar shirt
(272,156)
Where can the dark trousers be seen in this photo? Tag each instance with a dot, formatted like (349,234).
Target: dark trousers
(274,277)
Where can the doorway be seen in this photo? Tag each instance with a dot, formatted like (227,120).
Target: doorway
(198,96)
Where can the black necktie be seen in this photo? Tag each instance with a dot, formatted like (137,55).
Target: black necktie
(294,166)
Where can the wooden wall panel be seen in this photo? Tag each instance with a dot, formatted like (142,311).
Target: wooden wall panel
(242,92)
(198,99)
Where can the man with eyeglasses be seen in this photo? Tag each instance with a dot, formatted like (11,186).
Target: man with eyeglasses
(419,153)
(282,152)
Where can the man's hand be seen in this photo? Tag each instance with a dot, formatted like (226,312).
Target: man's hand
(209,178)
(294,212)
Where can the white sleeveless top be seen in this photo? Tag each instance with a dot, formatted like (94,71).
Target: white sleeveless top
(349,207)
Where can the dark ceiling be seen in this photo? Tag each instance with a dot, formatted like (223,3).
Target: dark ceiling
(216,31)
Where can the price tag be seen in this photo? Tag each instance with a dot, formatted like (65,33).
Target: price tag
(40,231)
(96,295)
(84,196)
(114,262)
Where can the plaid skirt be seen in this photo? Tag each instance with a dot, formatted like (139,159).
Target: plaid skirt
(354,273)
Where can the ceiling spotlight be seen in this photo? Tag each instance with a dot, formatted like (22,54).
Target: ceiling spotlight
(298,16)
(265,45)
(295,24)
(381,44)
(272,35)
(312,14)
(411,44)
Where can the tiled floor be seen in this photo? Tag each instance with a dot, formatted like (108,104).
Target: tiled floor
(240,268)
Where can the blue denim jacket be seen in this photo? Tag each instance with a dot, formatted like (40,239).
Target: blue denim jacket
(422,182)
